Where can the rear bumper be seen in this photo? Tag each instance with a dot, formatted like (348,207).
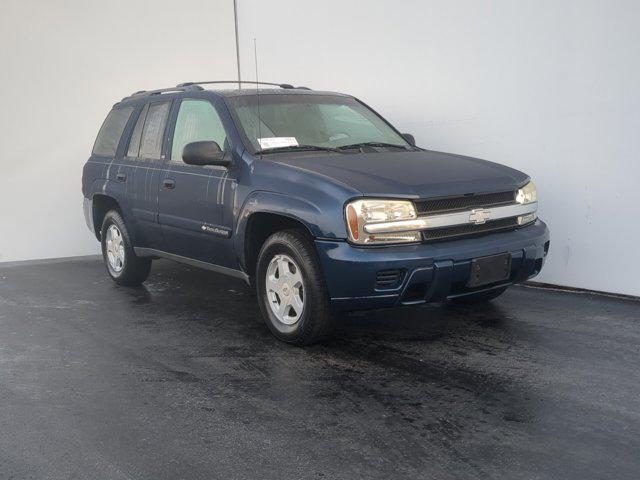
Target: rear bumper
(87,208)
(426,272)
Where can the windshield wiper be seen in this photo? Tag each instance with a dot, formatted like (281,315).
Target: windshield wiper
(297,148)
(372,144)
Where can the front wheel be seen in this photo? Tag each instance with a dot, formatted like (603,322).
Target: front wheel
(291,289)
(123,265)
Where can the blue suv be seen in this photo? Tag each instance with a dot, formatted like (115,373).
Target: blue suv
(314,199)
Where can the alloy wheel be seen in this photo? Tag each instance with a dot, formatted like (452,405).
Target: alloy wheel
(115,248)
(285,289)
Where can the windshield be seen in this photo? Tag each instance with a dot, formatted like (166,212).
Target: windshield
(310,122)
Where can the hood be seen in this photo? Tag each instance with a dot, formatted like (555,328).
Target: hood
(417,174)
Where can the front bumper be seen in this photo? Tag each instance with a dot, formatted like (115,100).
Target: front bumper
(427,272)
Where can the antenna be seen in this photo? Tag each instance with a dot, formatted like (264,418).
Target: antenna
(235,18)
(255,56)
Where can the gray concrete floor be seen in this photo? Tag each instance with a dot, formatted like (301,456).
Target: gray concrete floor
(180,379)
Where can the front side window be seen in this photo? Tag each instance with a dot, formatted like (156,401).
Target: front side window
(275,121)
(153,130)
(109,135)
(197,121)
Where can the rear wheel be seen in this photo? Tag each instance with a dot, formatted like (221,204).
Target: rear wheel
(480,297)
(291,289)
(123,266)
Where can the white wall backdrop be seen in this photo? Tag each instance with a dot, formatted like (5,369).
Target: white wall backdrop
(63,64)
(550,87)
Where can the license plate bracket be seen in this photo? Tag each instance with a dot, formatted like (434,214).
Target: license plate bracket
(491,269)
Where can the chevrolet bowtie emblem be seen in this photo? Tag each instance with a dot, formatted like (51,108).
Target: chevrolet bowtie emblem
(479,216)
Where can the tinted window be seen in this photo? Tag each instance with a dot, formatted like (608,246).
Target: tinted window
(197,120)
(111,131)
(153,131)
(134,143)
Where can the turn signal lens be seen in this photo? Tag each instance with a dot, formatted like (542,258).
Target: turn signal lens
(352,221)
(528,218)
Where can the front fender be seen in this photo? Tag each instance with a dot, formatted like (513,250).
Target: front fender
(295,208)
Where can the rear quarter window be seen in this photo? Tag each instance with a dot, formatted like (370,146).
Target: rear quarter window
(109,135)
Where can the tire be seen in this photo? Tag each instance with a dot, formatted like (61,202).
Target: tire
(481,297)
(126,268)
(291,289)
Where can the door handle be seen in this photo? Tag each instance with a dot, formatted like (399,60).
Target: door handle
(169,183)
(121,177)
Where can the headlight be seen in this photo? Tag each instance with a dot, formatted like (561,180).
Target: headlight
(362,215)
(527,194)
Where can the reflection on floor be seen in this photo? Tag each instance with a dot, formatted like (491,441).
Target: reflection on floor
(180,379)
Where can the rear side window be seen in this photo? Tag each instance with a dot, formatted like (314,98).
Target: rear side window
(153,130)
(111,131)
(134,143)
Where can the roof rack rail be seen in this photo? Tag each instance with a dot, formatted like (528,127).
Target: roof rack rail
(281,85)
(190,86)
(159,91)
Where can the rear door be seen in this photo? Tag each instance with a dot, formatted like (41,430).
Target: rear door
(191,197)
(144,159)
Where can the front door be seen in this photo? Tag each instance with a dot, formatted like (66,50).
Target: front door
(191,198)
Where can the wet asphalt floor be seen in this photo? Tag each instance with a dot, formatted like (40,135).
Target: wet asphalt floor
(181,380)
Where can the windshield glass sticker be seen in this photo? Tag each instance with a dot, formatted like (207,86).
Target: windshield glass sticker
(277,142)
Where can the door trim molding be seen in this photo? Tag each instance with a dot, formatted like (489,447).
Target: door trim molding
(152,252)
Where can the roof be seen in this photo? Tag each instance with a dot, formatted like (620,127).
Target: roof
(271,91)
(250,89)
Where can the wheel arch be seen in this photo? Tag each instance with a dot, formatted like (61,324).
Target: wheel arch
(259,227)
(262,214)
(101,204)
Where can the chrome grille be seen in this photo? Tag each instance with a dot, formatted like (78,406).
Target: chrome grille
(464,202)
(457,231)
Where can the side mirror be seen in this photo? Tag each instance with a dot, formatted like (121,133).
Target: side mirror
(204,153)
(409,138)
